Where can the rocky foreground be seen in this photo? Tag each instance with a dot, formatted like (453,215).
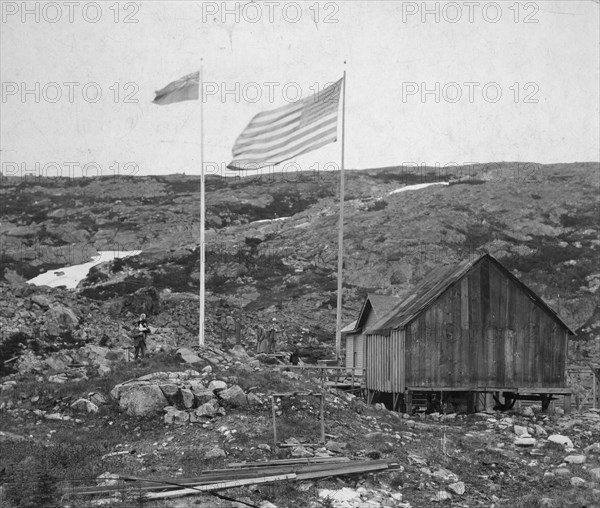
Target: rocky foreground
(173,416)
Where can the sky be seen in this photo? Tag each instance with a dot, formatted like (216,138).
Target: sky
(429,83)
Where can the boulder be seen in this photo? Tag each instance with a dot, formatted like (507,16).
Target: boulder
(593,448)
(524,441)
(210,408)
(528,412)
(457,487)
(574,459)
(254,400)
(445,475)
(214,453)
(171,392)
(188,356)
(43,301)
(217,385)
(520,431)
(301,451)
(239,353)
(562,440)
(187,397)
(98,398)
(142,400)
(176,417)
(578,482)
(595,474)
(84,406)
(234,396)
(202,395)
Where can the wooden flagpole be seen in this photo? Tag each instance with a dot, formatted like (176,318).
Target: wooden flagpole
(338,333)
(202,207)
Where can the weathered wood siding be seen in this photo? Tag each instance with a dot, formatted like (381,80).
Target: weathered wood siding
(355,344)
(484,330)
(384,360)
(349,350)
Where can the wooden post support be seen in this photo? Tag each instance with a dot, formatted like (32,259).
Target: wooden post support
(408,401)
(322,411)
(567,403)
(274,423)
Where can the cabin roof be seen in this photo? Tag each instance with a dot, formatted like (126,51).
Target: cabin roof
(434,284)
(380,304)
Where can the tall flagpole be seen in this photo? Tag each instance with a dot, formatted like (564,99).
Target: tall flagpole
(338,333)
(202,206)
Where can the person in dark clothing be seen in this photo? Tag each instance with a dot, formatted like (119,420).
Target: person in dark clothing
(139,341)
(295,357)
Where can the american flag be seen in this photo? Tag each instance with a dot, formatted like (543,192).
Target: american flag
(278,135)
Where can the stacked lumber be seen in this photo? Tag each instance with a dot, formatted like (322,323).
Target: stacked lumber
(240,474)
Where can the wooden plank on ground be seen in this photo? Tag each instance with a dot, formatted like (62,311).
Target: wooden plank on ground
(218,486)
(306,460)
(211,476)
(341,471)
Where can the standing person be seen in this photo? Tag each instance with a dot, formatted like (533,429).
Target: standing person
(140,340)
(261,344)
(295,357)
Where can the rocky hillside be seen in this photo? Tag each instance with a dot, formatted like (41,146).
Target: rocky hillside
(75,412)
(272,241)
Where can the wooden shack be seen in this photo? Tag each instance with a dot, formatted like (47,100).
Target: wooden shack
(374,307)
(472,331)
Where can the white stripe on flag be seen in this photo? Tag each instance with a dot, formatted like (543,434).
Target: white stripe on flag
(280,134)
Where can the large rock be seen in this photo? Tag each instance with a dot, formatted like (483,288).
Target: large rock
(171,392)
(524,441)
(574,459)
(187,398)
(84,406)
(142,400)
(457,487)
(214,453)
(188,356)
(43,301)
(593,448)
(234,396)
(239,353)
(202,394)
(521,431)
(562,440)
(217,385)
(176,417)
(209,409)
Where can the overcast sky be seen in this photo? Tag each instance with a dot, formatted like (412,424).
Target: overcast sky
(431,83)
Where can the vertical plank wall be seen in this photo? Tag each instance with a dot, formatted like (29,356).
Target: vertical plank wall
(384,360)
(484,330)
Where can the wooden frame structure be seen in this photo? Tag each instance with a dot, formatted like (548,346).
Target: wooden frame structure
(468,330)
